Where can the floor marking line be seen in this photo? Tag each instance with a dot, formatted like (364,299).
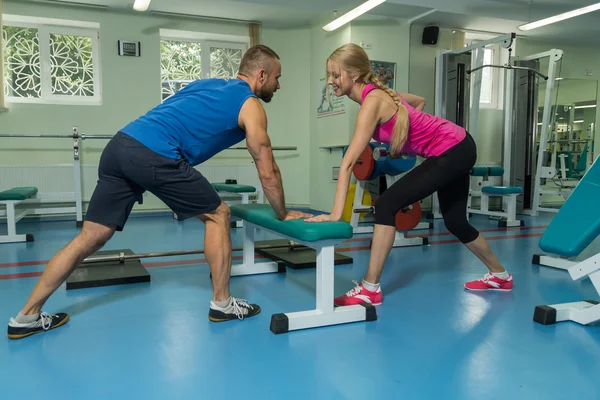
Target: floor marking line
(236,258)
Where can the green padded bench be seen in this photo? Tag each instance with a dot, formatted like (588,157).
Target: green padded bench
(233,188)
(323,237)
(508,214)
(10,199)
(572,230)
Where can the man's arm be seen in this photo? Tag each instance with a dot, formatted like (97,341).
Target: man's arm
(253,120)
(417,102)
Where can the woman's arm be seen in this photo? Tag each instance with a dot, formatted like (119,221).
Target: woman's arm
(417,102)
(366,122)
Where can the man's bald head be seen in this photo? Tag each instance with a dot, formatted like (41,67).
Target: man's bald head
(260,67)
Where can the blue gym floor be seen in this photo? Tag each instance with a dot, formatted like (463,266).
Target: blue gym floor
(433,340)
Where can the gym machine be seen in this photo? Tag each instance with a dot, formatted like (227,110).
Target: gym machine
(453,76)
(524,172)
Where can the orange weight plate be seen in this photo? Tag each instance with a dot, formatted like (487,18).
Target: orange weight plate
(363,169)
(408,219)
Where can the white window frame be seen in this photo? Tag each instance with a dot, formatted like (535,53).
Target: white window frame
(45,27)
(206,40)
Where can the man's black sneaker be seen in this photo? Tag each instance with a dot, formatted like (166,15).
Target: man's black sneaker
(237,309)
(45,322)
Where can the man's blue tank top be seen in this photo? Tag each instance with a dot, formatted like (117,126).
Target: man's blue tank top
(195,123)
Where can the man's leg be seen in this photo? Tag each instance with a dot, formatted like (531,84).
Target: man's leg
(217,250)
(189,194)
(31,319)
(92,238)
(108,210)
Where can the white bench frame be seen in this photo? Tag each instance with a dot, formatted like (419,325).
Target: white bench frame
(12,217)
(508,218)
(31,206)
(400,239)
(325,313)
(582,312)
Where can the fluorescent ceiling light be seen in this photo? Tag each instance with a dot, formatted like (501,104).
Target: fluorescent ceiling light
(350,15)
(579,121)
(560,17)
(590,106)
(141,5)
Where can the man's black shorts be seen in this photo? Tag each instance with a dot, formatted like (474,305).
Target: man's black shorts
(128,168)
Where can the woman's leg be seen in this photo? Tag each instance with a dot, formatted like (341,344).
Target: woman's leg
(453,205)
(417,184)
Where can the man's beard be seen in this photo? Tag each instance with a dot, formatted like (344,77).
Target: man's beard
(265,96)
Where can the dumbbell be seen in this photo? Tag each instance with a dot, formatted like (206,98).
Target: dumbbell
(379,153)
(406,219)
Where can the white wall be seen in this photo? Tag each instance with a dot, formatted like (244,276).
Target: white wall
(327,131)
(390,42)
(288,112)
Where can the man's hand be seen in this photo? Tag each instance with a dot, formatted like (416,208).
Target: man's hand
(296,215)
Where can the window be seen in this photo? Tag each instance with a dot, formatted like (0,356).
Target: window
(188,56)
(48,61)
(492,79)
(487,78)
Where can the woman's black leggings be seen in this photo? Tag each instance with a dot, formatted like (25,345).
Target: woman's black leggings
(449,175)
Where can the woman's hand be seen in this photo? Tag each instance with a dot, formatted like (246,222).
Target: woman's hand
(323,218)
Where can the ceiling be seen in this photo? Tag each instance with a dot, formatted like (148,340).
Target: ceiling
(498,16)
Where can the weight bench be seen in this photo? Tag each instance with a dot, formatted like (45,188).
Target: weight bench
(573,229)
(508,217)
(10,199)
(321,236)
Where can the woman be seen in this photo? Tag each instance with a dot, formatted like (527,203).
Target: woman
(450,153)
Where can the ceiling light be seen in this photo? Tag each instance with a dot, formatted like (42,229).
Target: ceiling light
(590,106)
(560,17)
(141,5)
(350,15)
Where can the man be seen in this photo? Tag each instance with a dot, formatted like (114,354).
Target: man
(156,153)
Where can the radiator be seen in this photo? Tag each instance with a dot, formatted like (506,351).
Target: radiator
(57,178)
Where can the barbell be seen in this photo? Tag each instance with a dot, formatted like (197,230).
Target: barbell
(122,257)
(75,135)
(83,136)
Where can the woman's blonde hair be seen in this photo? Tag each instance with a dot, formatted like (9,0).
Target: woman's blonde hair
(353,59)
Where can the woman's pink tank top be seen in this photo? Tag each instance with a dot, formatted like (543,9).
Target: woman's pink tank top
(428,135)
